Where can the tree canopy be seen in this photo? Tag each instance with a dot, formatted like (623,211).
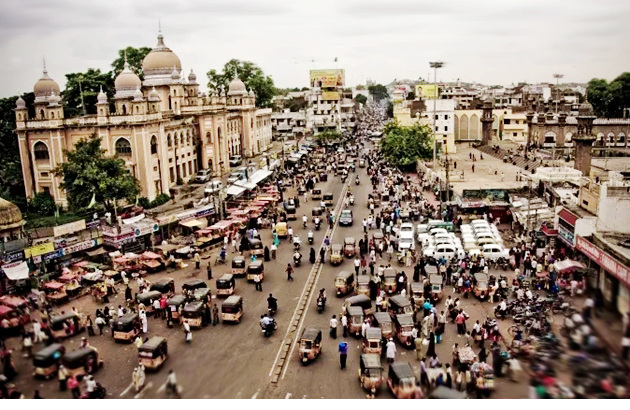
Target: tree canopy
(610,99)
(403,146)
(134,58)
(252,75)
(326,137)
(88,172)
(360,98)
(91,83)
(378,91)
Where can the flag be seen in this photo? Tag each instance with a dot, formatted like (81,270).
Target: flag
(93,201)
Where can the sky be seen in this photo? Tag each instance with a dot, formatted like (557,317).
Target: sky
(487,41)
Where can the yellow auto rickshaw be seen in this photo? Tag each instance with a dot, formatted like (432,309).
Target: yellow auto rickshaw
(336,254)
(238,265)
(399,305)
(328,199)
(355,320)
(310,345)
(417,295)
(363,285)
(436,288)
(404,327)
(316,193)
(225,285)
(46,361)
(370,372)
(256,269)
(390,284)
(153,353)
(232,309)
(194,314)
(282,230)
(81,361)
(383,321)
(401,381)
(344,283)
(175,304)
(255,247)
(349,249)
(373,341)
(317,212)
(126,327)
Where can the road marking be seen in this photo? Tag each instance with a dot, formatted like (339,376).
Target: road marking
(141,392)
(127,389)
(255,394)
(288,396)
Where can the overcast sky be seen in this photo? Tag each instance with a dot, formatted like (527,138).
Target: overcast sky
(488,41)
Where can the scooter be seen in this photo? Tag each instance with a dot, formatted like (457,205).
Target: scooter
(321,305)
(318,225)
(297,260)
(356,181)
(270,328)
(310,238)
(99,393)
(351,199)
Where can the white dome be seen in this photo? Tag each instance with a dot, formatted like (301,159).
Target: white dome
(127,79)
(45,86)
(237,87)
(251,93)
(101,98)
(20,103)
(192,77)
(160,60)
(54,99)
(175,74)
(154,95)
(137,95)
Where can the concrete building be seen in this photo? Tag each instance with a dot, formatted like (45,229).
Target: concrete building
(289,124)
(163,127)
(331,105)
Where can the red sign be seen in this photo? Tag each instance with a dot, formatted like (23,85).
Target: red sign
(568,216)
(604,260)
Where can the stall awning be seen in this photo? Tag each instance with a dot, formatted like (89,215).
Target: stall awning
(234,190)
(260,175)
(96,252)
(246,184)
(16,271)
(195,223)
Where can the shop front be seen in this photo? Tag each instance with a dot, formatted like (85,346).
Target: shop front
(566,231)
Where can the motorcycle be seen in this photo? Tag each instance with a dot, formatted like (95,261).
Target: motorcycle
(343,179)
(318,224)
(297,260)
(321,305)
(270,328)
(356,181)
(99,393)
(351,199)
(310,238)
(500,314)
(503,263)
(297,243)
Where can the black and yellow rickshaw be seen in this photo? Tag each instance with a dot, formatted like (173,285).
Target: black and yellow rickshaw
(255,247)
(310,344)
(377,238)
(363,285)
(344,283)
(194,314)
(146,299)
(165,286)
(402,382)
(126,327)
(417,295)
(153,353)
(256,269)
(373,341)
(437,290)
(225,285)
(336,254)
(399,305)
(176,304)
(360,300)
(238,265)
(370,372)
(191,285)
(81,361)
(46,361)
(202,294)
(328,199)
(355,319)
(65,325)
(232,309)
(349,247)
(383,321)
(404,327)
(390,283)
(317,212)
(316,193)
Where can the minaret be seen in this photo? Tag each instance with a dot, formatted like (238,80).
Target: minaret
(584,139)
(486,123)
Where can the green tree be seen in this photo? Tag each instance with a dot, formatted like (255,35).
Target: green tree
(42,204)
(403,146)
(86,85)
(252,75)
(88,172)
(134,58)
(361,99)
(597,93)
(411,95)
(327,137)
(378,92)
(296,104)
(609,99)
(390,109)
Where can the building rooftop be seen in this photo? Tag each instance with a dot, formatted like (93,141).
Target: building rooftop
(620,244)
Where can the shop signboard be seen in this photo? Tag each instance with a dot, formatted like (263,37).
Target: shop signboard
(39,249)
(9,257)
(327,78)
(69,228)
(81,246)
(566,235)
(330,96)
(604,260)
(146,229)
(426,90)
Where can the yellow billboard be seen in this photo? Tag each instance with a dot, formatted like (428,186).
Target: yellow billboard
(40,249)
(327,78)
(427,90)
(330,95)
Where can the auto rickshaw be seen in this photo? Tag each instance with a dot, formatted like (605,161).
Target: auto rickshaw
(194,314)
(202,294)
(176,304)
(373,341)
(363,285)
(238,265)
(126,327)
(370,372)
(401,381)
(191,285)
(165,286)
(378,238)
(436,288)
(15,327)
(344,283)
(417,295)
(232,309)
(399,305)
(404,326)
(255,247)
(153,353)
(336,254)
(481,289)
(390,284)
(316,193)
(310,345)
(81,361)
(355,320)
(146,299)
(256,269)
(65,325)
(328,199)
(349,247)
(46,361)
(360,300)
(361,163)
(317,212)
(383,321)
(282,230)
(225,285)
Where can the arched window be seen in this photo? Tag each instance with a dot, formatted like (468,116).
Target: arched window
(124,109)
(568,138)
(153,144)
(181,138)
(41,115)
(153,107)
(550,138)
(52,115)
(219,133)
(169,141)
(41,151)
(188,139)
(252,126)
(101,111)
(175,93)
(123,147)
(137,109)
(19,117)
(621,139)
(611,138)
(209,137)
(175,139)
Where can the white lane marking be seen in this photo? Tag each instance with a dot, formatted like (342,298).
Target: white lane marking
(315,280)
(288,396)
(162,388)
(127,389)
(255,394)
(141,392)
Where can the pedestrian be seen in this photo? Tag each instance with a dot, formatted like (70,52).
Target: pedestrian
(74,386)
(289,271)
(357,264)
(419,345)
(258,283)
(89,325)
(343,354)
(215,314)
(266,252)
(171,384)
(187,333)
(62,375)
(197,260)
(473,168)
(333,327)
(322,254)
(391,351)
(209,269)
(100,323)
(274,247)
(344,325)
(27,344)
(145,325)
(431,348)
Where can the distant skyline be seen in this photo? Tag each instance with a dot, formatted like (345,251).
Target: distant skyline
(487,41)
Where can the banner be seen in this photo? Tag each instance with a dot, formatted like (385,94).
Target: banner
(81,246)
(69,228)
(327,78)
(330,95)
(426,90)
(40,249)
(603,259)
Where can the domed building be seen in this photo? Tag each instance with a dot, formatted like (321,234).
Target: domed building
(161,125)
(11,221)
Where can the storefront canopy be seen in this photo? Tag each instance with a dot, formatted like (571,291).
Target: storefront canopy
(234,190)
(246,184)
(96,252)
(568,264)
(195,223)
(260,176)
(16,271)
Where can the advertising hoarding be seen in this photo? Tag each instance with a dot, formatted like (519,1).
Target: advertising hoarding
(327,78)
(426,90)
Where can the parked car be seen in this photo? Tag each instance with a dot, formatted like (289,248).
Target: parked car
(493,252)
(203,176)
(345,219)
(237,175)
(448,251)
(236,160)
(213,186)
(407,242)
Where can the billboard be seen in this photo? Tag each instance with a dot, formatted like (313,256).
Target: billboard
(327,78)
(426,90)
(330,95)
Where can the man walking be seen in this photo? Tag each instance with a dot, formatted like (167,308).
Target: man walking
(209,271)
(258,283)
(333,327)
(289,272)
(197,259)
(343,354)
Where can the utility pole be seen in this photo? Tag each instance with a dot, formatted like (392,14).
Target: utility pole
(435,65)
(448,180)
(557,77)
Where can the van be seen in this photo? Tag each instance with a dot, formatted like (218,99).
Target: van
(213,186)
(237,175)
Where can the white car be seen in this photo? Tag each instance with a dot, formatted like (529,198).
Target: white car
(405,243)
(486,241)
(479,222)
(445,250)
(406,229)
(493,252)
(213,186)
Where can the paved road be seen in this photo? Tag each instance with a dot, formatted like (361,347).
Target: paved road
(236,361)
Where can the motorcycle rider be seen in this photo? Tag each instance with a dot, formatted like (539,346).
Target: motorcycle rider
(290,233)
(318,222)
(304,220)
(272,303)
(265,322)
(322,296)
(222,255)
(297,257)
(503,308)
(310,236)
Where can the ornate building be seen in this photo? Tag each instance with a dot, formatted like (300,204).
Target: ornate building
(163,127)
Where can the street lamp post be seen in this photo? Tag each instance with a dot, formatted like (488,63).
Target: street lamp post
(435,65)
